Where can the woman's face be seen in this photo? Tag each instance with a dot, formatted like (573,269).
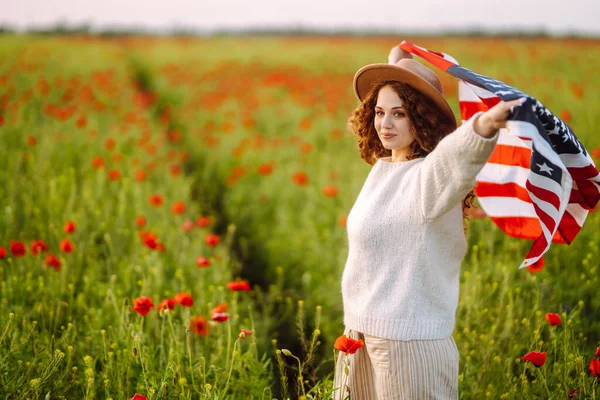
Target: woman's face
(391,123)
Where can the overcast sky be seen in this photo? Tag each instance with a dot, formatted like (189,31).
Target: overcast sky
(554,16)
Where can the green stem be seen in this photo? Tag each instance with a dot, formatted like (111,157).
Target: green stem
(231,366)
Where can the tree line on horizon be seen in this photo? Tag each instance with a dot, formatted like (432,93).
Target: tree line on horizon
(86,29)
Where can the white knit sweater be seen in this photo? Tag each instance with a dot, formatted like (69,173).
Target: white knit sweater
(406,241)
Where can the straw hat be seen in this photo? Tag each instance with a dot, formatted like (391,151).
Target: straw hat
(406,71)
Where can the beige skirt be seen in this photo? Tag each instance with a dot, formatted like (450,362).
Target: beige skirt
(394,369)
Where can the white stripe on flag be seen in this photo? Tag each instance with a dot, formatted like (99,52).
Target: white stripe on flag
(500,173)
(508,138)
(545,183)
(507,207)
(579,213)
(548,209)
(466,94)
(574,160)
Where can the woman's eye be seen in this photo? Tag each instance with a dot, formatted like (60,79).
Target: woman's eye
(378,112)
(399,114)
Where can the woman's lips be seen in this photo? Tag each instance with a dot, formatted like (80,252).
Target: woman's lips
(388,136)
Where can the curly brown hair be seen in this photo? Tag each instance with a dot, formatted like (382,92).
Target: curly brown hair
(428,125)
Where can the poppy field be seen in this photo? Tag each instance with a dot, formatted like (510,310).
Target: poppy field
(173,221)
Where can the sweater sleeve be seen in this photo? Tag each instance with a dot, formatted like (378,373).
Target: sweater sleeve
(448,172)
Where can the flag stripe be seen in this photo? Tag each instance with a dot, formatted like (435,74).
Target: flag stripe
(511,155)
(510,189)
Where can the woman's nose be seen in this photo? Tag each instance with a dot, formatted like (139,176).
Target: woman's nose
(387,122)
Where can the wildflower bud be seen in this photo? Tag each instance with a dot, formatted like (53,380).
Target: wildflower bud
(286,352)
(135,352)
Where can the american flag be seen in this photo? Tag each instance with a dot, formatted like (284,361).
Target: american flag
(540,182)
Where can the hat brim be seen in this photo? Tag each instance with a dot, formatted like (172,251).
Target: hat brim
(370,75)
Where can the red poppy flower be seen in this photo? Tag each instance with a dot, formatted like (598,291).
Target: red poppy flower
(178,207)
(565,115)
(573,393)
(537,266)
(265,169)
(110,143)
(553,319)
(203,222)
(81,122)
(300,178)
(38,246)
(187,225)
(143,305)
(185,299)
(114,174)
(220,317)
(98,162)
(330,191)
(597,353)
(2,252)
(239,286)
(66,246)
(348,345)
(595,368)
(343,221)
(140,175)
(306,147)
(31,141)
(202,262)
(52,261)
(175,170)
(199,325)
(140,221)
(138,397)
(212,240)
(69,227)
(596,153)
(244,332)
(167,304)
(18,249)
(149,239)
(221,308)
(155,200)
(536,358)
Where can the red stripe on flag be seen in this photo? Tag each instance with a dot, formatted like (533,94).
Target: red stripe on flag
(568,227)
(433,58)
(490,101)
(538,247)
(589,192)
(489,189)
(544,194)
(470,108)
(519,227)
(587,172)
(511,155)
(545,218)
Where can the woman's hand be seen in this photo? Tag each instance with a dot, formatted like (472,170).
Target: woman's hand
(397,54)
(488,123)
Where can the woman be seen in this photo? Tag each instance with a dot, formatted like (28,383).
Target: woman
(405,232)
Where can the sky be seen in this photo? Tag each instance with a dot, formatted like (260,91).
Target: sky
(557,17)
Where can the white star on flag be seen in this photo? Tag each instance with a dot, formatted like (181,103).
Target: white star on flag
(544,168)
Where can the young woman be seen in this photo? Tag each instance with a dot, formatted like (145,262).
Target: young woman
(405,232)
